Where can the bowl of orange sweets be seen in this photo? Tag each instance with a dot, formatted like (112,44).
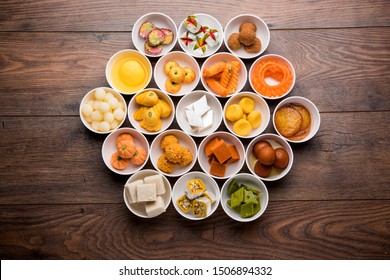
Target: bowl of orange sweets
(221,155)
(177,73)
(246,114)
(151,111)
(272,76)
(173,153)
(223,74)
(125,151)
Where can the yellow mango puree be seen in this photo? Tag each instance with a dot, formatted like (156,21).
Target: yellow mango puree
(129,74)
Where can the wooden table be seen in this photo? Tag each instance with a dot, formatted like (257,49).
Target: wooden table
(59,201)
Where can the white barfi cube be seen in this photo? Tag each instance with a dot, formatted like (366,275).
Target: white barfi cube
(146,192)
(158,180)
(155,208)
(131,191)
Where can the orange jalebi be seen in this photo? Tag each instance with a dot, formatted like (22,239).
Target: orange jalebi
(276,69)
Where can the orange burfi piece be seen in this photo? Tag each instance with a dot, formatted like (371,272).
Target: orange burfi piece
(208,147)
(221,151)
(235,155)
(217,169)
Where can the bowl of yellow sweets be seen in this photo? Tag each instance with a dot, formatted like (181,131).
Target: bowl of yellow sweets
(246,114)
(151,111)
(128,71)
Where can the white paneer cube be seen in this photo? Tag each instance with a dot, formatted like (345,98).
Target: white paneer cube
(194,119)
(131,191)
(200,106)
(155,208)
(146,192)
(158,180)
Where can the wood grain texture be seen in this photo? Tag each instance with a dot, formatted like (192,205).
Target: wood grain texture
(339,70)
(119,15)
(287,230)
(58,158)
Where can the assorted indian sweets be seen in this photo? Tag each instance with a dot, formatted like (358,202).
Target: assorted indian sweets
(173,154)
(222,77)
(244,116)
(272,76)
(245,38)
(293,121)
(149,192)
(199,37)
(220,154)
(244,199)
(103,111)
(177,75)
(268,158)
(155,37)
(127,152)
(152,109)
(197,198)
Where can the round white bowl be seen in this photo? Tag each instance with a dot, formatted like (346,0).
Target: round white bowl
(138,209)
(272,82)
(160,20)
(262,33)
(314,113)
(250,181)
(190,98)
(207,20)
(232,168)
(184,60)
(128,53)
(228,57)
(109,147)
(260,105)
(134,106)
(89,97)
(275,141)
(180,186)
(184,140)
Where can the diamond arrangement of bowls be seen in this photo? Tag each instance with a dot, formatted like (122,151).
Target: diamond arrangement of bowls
(199,114)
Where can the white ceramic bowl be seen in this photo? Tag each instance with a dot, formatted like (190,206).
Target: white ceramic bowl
(184,140)
(160,20)
(228,57)
(190,98)
(134,106)
(180,186)
(275,141)
(232,168)
(90,99)
(262,32)
(136,56)
(109,148)
(269,80)
(250,181)
(184,60)
(260,105)
(138,209)
(314,113)
(205,20)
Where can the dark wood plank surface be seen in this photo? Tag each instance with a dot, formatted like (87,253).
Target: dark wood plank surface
(59,201)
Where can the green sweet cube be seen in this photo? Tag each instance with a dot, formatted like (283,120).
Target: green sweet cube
(237,198)
(247,210)
(233,187)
